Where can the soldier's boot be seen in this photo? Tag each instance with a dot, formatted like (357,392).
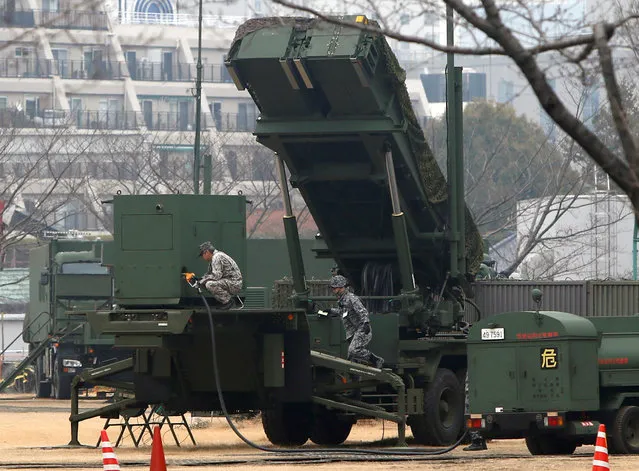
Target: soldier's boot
(376,361)
(478,443)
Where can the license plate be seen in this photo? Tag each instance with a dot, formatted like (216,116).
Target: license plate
(70,370)
(492,334)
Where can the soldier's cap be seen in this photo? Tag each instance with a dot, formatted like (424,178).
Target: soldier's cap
(338,281)
(206,246)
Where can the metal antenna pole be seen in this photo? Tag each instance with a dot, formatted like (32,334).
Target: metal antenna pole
(198,106)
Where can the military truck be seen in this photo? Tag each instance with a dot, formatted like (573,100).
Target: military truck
(335,111)
(66,277)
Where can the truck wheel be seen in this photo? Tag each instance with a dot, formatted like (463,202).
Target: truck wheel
(61,384)
(42,388)
(328,427)
(624,435)
(443,417)
(550,445)
(287,424)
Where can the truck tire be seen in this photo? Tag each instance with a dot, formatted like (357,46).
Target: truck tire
(443,417)
(328,427)
(287,424)
(42,388)
(624,435)
(61,384)
(550,445)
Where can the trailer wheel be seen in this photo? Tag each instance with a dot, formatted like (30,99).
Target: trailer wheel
(550,445)
(287,424)
(42,388)
(443,417)
(625,431)
(61,384)
(328,427)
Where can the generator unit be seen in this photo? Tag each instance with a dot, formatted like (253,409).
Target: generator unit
(553,378)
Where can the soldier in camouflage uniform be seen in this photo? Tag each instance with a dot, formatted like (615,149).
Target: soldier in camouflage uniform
(477,442)
(356,323)
(223,279)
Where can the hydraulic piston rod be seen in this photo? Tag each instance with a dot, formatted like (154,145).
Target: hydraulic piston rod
(292,238)
(399,226)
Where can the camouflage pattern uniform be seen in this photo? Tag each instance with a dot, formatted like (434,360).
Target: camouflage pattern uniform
(357,326)
(223,279)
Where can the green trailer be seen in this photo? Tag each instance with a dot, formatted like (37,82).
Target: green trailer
(553,378)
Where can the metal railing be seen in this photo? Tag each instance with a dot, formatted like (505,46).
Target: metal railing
(88,70)
(82,119)
(172,121)
(179,19)
(24,68)
(69,19)
(180,72)
(234,122)
(123,120)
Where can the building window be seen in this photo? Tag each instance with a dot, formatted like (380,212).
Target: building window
(591,105)
(154,7)
(506,91)
(3,102)
(23,51)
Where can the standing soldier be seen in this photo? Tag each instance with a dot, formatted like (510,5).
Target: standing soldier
(223,278)
(356,323)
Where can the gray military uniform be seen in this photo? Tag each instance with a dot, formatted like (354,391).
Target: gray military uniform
(223,279)
(357,327)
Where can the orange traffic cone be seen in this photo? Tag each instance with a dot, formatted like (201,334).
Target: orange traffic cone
(158,463)
(600,461)
(109,460)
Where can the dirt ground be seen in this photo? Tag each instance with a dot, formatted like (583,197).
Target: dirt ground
(34,434)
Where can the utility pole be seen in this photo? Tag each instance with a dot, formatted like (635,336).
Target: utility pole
(198,106)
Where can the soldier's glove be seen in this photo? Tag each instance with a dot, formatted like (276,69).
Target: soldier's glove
(322,313)
(191,279)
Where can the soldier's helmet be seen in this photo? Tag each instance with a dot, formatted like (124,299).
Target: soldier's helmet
(206,246)
(338,281)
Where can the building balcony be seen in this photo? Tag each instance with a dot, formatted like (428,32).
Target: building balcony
(24,68)
(81,119)
(88,70)
(122,120)
(70,19)
(180,72)
(172,121)
(234,122)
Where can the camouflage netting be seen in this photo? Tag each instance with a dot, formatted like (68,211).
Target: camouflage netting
(433,180)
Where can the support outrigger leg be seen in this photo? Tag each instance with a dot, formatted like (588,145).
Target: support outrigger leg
(95,376)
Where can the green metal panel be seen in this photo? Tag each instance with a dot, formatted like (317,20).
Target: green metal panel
(274,367)
(267,261)
(83,286)
(385,341)
(158,237)
(545,361)
(157,230)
